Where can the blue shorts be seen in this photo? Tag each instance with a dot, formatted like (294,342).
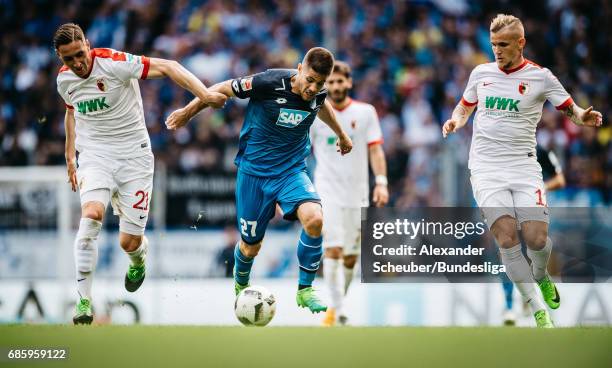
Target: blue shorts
(256,199)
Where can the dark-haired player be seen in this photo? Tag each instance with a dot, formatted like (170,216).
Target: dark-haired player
(274,144)
(105,123)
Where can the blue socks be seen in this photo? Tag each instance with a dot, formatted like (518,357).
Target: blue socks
(309,252)
(242,266)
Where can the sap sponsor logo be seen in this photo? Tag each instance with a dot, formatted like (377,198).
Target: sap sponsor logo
(289,118)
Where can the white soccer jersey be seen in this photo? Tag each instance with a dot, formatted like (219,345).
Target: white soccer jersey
(343,180)
(108,106)
(509,109)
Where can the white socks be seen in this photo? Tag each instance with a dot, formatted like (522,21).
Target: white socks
(138,256)
(348,277)
(519,272)
(539,260)
(86,254)
(333,279)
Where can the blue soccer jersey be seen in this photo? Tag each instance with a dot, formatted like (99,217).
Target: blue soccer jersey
(274,139)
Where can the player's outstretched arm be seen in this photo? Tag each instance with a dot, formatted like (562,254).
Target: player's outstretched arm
(180,117)
(460,116)
(327,115)
(586,117)
(160,68)
(380,196)
(70,151)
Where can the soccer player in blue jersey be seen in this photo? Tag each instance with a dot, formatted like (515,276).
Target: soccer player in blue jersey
(271,160)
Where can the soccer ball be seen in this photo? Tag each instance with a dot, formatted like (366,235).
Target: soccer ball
(255,306)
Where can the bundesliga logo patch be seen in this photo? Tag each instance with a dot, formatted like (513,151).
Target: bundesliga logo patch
(246,84)
(523,88)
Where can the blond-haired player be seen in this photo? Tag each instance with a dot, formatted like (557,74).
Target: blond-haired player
(104,122)
(506,177)
(342,183)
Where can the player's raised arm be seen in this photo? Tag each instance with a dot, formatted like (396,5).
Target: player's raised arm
(460,116)
(326,114)
(70,150)
(160,68)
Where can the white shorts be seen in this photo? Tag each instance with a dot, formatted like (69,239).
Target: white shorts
(126,183)
(515,193)
(342,228)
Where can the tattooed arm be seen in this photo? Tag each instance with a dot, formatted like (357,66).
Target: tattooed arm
(458,119)
(579,116)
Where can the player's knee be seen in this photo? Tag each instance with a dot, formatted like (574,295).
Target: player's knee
(537,241)
(314,224)
(93,210)
(504,231)
(250,250)
(129,242)
(350,261)
(333,252)
(506,241)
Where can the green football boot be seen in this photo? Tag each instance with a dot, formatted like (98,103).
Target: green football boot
(306,298)
(549,292)
(239,287)
(134,277)
(543,319)
(84,314)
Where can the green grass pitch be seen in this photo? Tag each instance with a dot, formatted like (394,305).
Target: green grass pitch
(178,346)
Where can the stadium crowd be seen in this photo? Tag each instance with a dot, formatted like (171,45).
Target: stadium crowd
(410,59)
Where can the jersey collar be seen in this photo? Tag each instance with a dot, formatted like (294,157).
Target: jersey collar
(508,71)
(350,101)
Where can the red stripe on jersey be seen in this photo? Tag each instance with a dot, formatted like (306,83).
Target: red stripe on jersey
(108,53)
(64,68)
(532,63)
(565,104)
(69,107)
(467,103)
(145,70)
(373,143)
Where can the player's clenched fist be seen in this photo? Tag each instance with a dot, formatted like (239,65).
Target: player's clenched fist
(345,144)
(177,119)
(449,127)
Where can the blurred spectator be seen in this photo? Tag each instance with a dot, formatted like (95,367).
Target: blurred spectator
(411,59)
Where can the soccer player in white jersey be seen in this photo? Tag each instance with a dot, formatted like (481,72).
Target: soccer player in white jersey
(342,183)
(506,177)
(104,122)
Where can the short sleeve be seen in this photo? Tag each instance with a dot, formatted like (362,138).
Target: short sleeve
(64,95)
(470,94)
(253,85)
(555,93)
(127,66)
(374,133)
